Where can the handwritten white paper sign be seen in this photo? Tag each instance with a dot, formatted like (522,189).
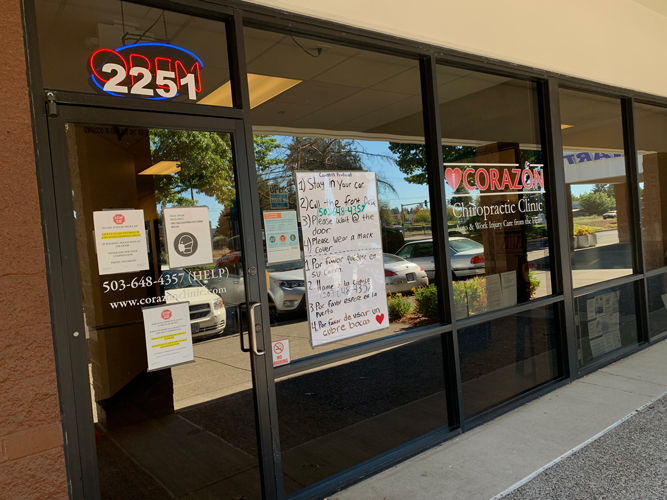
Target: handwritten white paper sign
(342,246)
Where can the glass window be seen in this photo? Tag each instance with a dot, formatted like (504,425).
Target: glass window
(606,321)
(595,182)
(347,110)
(187,429)
(405,252)
(657,304)
(126,50)
(503,358)
(651,133)
(495,189)
(339,416)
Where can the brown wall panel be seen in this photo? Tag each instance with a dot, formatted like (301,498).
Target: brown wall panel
(32,463)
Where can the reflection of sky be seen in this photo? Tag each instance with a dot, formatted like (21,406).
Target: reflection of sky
(377,159)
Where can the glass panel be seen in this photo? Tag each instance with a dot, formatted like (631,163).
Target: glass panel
(341,415)
(495,189)
(503,358)
(122,49)
(348,110)
(188,427)
(595,182)
(606,321)
(657,304)
(651,133)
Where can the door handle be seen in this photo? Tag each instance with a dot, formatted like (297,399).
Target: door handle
(251,331)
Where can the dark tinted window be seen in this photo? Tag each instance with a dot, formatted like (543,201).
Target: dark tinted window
(423,250)
(500,359)
(607,321)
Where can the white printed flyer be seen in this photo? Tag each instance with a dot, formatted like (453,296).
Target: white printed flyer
(120,241)
(282,237)
(188,236)
(168,335)
(343,262)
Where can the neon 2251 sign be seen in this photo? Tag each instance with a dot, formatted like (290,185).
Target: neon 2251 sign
(147,70)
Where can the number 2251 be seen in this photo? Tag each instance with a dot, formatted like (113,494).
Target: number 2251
(162,79)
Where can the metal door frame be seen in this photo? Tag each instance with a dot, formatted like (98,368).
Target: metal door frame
(76,412)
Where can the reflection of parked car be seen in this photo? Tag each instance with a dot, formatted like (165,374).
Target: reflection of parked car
(287,286)
(467,256)
(207,311)
(286,292)
(401,275)
(609,215)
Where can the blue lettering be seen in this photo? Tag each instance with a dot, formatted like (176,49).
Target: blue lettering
(582,157)
(570,159)
(599,156)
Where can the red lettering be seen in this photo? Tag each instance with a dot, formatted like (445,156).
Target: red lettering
(481,186)
(538,178)
(494,179)
(92,63)
(527,184)
(132,64)
(465,178)
(195,67)
(517,178)
(157,67)
(507,180)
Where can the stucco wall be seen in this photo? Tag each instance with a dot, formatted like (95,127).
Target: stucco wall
(32,463)
(617,42)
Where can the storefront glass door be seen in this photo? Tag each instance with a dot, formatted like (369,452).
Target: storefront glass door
(160,246)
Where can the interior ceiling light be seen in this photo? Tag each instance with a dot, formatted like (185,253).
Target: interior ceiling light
(562,126)
(261,88)
(162,168)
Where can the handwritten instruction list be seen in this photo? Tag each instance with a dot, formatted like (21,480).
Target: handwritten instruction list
(342,246)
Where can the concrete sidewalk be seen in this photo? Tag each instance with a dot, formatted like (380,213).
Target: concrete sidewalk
(488,460)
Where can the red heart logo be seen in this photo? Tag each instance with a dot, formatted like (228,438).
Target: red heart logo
(379,318)
(453,176)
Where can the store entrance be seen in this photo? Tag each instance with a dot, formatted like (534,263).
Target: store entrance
(166,336)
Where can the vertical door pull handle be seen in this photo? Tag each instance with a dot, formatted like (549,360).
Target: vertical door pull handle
(252,332)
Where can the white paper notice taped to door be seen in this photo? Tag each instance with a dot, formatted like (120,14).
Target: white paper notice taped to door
(168,335)
(342,246)
(188,235)
(120,241)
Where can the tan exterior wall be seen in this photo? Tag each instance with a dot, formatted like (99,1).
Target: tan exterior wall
(616,42)
(32,463)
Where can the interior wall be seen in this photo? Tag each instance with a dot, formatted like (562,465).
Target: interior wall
(607,41)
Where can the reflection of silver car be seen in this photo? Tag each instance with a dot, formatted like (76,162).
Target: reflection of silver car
(467,256)
(609,215)
(401,275)
(207,311)
(287,287)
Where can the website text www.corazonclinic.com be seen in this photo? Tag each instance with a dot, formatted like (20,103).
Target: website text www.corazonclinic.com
(174,296)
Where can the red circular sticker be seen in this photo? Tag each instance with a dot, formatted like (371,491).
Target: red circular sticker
(119,218)
(166,314)
(282,237)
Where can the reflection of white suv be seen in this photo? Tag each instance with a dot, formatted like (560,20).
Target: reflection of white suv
(207,312)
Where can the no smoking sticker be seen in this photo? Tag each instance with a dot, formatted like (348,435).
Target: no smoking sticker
(281,352)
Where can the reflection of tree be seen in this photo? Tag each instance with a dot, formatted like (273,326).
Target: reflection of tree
(206,163)
(313,154)
(411,159)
